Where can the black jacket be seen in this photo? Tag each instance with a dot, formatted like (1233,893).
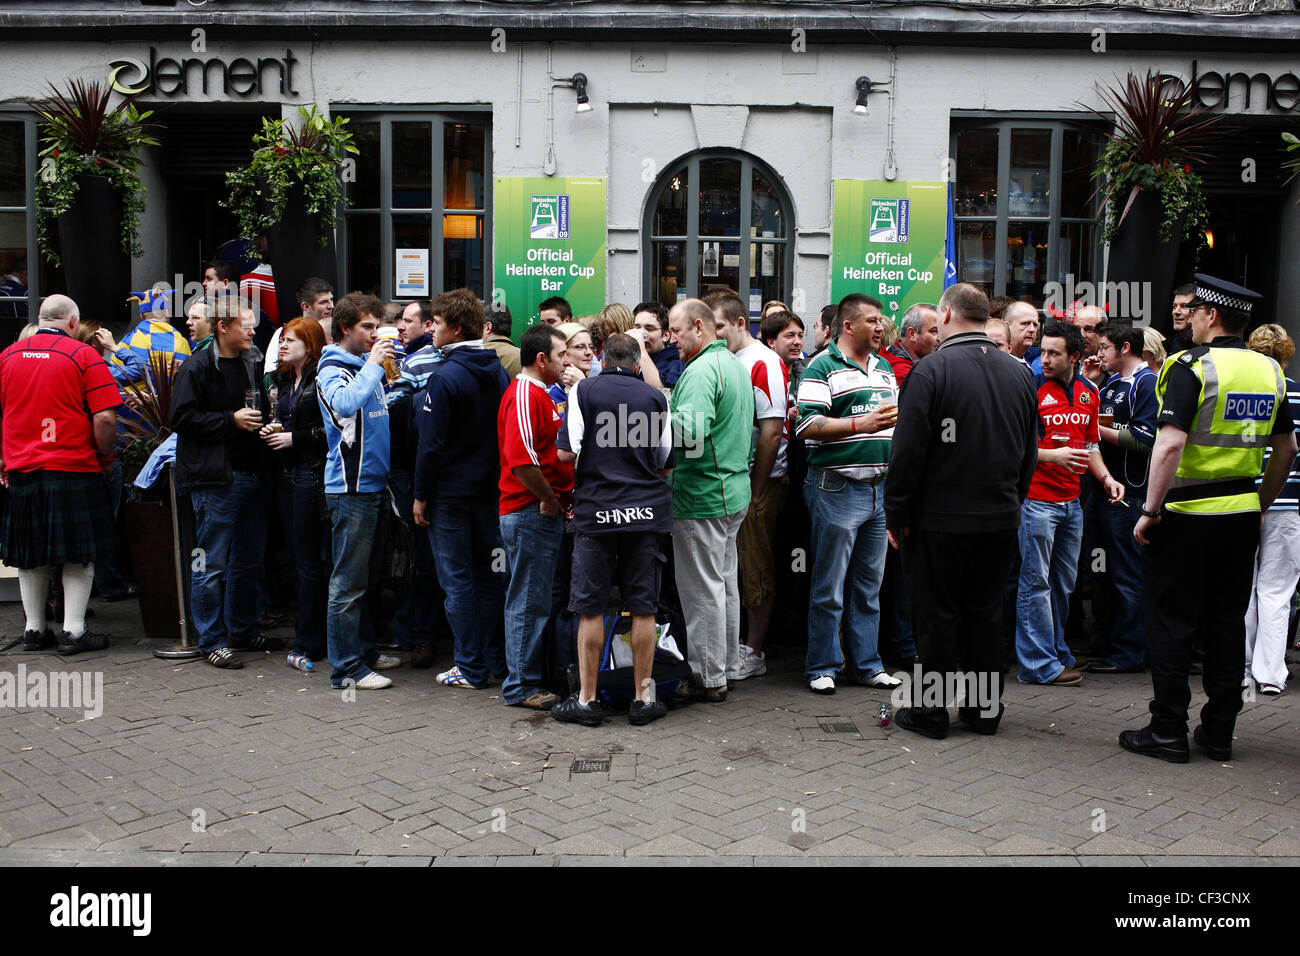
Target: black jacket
(309,442)
(966,441)
(201,420)
(457,455)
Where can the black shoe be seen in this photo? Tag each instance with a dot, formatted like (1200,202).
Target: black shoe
(260,643)
(1148,744)
(1214,753)
(569,711)
(130,592)
(641,713)
(37,640)
(1103,667)
(86,642)
(931,722)
(422,656)
(224,658)
(972,718)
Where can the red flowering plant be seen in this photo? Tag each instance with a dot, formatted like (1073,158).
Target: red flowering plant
(1158,138)
(309,155)
(80,135)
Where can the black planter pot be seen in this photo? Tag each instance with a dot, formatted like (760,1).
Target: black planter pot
(1137,255)
(147,534)
(97,271)
(294,250)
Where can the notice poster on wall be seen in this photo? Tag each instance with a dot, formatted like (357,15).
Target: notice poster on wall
(412,273)
(888,241)
(548,239)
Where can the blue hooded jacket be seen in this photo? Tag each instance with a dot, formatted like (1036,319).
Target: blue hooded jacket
(456,417)
(351,393)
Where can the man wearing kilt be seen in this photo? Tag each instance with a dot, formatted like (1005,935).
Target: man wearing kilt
(58,424)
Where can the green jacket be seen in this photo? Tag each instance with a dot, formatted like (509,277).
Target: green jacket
(712,408)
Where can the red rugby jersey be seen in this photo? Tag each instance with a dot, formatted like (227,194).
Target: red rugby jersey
(527,423)
(1063,410)
(50,386)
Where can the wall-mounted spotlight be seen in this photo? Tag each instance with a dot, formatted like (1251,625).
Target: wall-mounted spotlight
(864,90)
(579,82)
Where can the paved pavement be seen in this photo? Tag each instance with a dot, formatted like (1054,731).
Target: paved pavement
(268,766)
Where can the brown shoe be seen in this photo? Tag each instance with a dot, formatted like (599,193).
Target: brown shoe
(1069,678)
(542,700)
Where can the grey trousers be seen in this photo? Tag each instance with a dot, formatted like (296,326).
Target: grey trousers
(708,582)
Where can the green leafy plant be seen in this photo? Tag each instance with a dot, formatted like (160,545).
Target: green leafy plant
(146,427)
(81,135)
(285,155)
(1158,137)
(1292,146)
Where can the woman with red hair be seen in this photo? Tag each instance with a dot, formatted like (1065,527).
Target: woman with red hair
(297,434)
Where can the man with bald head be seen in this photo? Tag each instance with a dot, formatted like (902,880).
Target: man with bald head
(712,410)
(58,425)
(1088,319)
(1022,319)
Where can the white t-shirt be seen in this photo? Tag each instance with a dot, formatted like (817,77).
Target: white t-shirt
(771,394)
(273,352)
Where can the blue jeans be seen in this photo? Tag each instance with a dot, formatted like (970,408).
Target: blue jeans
(355,525)
(1118,595)
(1051,533)
(532,542)
(230,531)
(463,536)
(848,552)
(309,539)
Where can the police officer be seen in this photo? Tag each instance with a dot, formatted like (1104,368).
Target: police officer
(1217,402)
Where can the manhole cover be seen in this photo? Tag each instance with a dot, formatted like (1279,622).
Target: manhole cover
(837,726)
(590,766)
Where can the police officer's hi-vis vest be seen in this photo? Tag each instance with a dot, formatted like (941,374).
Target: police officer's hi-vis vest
(1241,391)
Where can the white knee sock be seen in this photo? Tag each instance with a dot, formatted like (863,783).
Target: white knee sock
(77,580)
(34,586)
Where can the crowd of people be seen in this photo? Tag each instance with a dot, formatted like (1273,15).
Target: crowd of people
(954,490)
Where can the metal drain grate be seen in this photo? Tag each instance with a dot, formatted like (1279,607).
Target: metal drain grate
(837,726)
(590,766)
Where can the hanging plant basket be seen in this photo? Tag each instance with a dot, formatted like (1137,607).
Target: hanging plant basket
(291,192)
(89,184)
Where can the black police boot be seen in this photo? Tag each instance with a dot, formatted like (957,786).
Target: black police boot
(1150,744)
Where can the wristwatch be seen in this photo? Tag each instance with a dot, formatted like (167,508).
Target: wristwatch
(1150,514)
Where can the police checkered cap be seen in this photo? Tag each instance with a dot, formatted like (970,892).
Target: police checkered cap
(1225,295)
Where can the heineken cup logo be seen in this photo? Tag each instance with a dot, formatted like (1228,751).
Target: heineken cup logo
(889,220)
(550,217)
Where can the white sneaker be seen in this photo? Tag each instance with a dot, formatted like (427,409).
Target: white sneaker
(751,664)
(386,662)
(881,679)
(822,685)
(373,681)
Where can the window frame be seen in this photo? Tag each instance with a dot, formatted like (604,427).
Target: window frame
(437,117)
(690,164)
(31,149)
(1004,124)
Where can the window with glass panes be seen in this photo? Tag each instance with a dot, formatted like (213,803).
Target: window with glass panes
(1026,208)
(421,184)
(25,276)
(718,220)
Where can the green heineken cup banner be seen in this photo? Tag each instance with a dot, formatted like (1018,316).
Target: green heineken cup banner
(888,241)
(548,239)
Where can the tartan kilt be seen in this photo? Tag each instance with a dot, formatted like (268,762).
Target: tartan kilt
(55,517)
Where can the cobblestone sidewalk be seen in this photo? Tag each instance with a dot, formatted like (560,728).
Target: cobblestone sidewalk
(268,766)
